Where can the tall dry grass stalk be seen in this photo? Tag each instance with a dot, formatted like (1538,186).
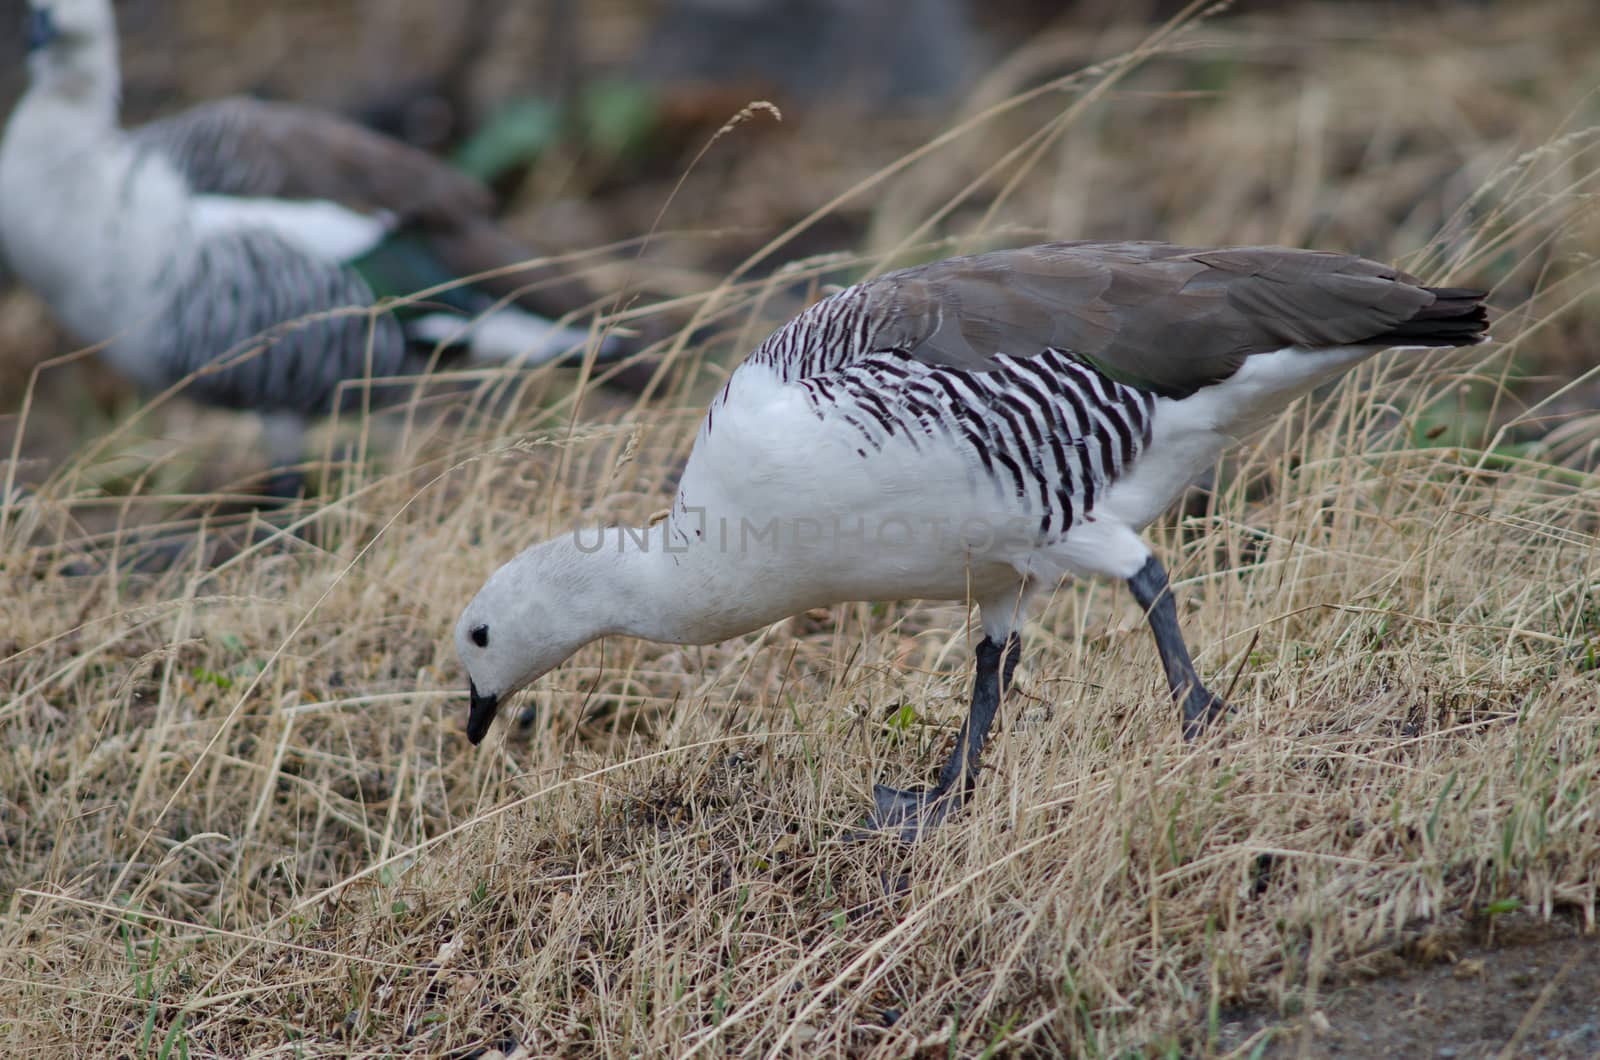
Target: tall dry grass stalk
(240,815)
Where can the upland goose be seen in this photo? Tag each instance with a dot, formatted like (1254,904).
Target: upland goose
(969,430)
(229,237)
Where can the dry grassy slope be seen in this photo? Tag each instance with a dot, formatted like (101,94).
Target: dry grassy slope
(238,812)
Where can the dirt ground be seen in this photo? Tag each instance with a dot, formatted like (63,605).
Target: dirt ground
(1533,992)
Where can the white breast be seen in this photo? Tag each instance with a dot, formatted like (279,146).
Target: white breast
(98,229)
(777,497)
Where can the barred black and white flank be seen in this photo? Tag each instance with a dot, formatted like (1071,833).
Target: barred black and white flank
(970,430)
(230,236)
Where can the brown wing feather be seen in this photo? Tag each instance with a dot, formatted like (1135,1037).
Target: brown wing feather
(242,146)
(248,147)
(1164,317)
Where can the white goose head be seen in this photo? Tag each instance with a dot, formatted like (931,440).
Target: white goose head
(529,617)
(72,46)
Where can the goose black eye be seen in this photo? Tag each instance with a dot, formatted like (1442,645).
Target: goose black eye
(480,636)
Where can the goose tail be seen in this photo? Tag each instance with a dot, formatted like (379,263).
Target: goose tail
(1456,317)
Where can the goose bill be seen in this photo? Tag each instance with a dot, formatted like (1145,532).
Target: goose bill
(482,713)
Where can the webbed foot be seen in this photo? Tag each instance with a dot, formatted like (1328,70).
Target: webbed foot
(910,813)
(1200,709)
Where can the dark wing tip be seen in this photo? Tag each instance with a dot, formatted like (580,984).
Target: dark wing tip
(1456,317)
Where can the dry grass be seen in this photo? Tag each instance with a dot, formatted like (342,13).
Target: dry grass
(240,815)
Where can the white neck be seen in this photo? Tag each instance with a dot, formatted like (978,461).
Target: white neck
(642,582)
(610,578)
(86,79)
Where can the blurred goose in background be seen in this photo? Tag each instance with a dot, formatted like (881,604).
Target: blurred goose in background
(228,237)
(975,430)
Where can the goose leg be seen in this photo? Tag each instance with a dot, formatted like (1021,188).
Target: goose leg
(285,435)
(911,812)
(1200,706)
